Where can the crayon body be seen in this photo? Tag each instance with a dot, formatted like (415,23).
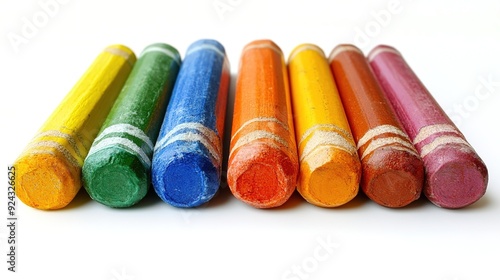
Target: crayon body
(455,175)
(263,163)
(393,172)
(188,153)
(116,171)
(49,169)
(330,169)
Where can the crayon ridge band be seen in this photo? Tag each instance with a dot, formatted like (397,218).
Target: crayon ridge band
(400,142)
(127,129)
(320,138)
(207,132)
(43,147)
(389,141)
(58,134)
(445,135)
(129,57)
(261,119)
(103,141)
(124,143)
(263,46)
(258,135)
(342,48)
(167,52)
(206,47)
(428,131)
(305,47)
(311,130)
(442,142)
(382,49)
(202,134)
(195,137)
(379,130)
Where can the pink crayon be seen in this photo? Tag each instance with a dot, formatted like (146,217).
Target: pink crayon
(455,175)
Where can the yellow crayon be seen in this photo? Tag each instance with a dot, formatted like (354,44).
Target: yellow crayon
(330,169)
(48,171)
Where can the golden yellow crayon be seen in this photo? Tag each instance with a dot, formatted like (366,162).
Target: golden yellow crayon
(48,171)
(330,169)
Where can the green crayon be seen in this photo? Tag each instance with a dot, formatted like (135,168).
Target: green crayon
(116,171)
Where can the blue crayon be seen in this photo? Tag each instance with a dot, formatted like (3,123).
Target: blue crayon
(187,159)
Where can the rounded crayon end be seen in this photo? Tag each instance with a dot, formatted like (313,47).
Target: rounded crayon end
(305,47)
(262,176)
(122,51)
(115,178)
(263,44)
(329,177)
(455,179)
(165,49)
(342,48)
(381,49)
(46,181)
(392,178)
(188,180)
(206,44)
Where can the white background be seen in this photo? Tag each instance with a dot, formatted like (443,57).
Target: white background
(451,45)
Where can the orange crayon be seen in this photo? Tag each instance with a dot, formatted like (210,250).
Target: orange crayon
(263,162)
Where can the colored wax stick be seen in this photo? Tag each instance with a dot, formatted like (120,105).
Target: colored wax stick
(330,169)
(188,154)
(393,172)
(49,169)
(116,170)
(455,175)
(263,163)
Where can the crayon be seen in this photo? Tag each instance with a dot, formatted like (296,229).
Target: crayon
(455,175)
(263,162)
(330,169)
(49,169)
(392,171)
(117,169)
(187,156)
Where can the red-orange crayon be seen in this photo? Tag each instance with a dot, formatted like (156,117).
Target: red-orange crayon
(393,172)
(263,162)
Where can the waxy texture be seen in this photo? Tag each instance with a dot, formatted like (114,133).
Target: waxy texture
(455,175)
(330,169)
(187,159)
(49,169)
(263,164)
(117,170)
(393,172)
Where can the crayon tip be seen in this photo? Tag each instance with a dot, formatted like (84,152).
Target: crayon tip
(188,180)
(268,180)
(115,178)
(392,178)
(456,180)
(329,177)
(51,185)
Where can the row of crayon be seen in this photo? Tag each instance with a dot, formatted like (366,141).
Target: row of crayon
(324,127)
